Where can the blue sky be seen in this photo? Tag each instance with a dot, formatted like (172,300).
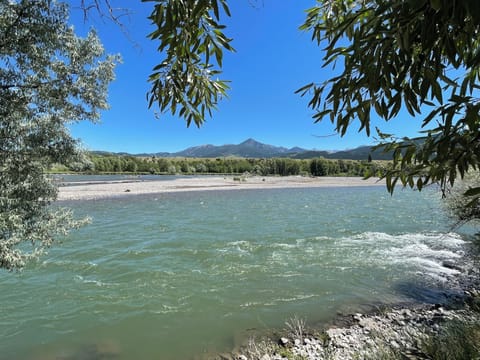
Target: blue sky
(273,59)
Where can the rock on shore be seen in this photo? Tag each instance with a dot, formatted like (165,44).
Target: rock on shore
(396,333)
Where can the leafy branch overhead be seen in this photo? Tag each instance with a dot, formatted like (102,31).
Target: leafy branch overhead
(191,44)
(420,55)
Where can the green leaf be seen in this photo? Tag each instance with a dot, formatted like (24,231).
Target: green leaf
(215,9)
(419,184)
(188,31)
(304,89)
(437,92)
(473,192)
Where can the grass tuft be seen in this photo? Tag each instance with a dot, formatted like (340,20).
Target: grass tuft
(296,327)
(458,340)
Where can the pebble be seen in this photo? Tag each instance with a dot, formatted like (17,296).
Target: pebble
(357,316)
(394,344)
(398,329)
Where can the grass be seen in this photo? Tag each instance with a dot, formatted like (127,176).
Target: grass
(296,327)
(457,340)
(288,354)
(256,349)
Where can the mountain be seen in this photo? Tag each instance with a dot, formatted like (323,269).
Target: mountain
(251,148)
(359,153)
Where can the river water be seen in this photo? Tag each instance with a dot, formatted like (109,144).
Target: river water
(175,276)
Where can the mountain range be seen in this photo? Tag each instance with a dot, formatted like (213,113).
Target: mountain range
(251,148)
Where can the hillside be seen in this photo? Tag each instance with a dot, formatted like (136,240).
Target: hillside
(251,148)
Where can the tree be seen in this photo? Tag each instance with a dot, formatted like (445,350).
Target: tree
(48,78)
(459,206)
(406,54)
(421,55)
(192,40)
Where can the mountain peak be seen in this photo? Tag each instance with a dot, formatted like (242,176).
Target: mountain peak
(250,141)
(251,148)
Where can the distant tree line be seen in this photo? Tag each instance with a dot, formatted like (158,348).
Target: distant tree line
(96,163)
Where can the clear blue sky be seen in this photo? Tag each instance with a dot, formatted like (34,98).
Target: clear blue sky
(273,59)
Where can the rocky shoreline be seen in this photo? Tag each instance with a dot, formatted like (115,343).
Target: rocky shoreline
(399,332)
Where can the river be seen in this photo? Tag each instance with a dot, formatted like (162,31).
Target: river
(175,276)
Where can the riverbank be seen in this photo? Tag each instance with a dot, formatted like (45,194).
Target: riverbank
(404,333)
(109,189)
(447,330)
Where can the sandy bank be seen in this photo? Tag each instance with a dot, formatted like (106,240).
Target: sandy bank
(122,188)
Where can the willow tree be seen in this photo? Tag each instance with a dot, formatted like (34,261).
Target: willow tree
(460,207)
(418,55)
(49,77)
(191,43)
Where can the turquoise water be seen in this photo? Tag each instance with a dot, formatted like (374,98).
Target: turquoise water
(175,276)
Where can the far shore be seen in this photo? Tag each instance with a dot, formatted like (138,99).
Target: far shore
(103,190)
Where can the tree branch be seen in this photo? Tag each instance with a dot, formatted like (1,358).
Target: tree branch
(105,10)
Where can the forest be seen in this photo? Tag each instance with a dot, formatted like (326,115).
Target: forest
(113,163)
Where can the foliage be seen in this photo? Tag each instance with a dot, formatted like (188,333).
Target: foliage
(404,54)
(192,42)
(296,327)
(463,208)
(457,340)
(257,349)
(232,165)
(48,77)
(418,55)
